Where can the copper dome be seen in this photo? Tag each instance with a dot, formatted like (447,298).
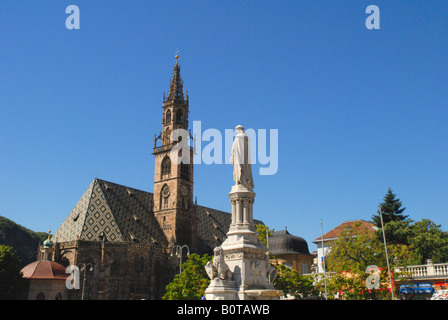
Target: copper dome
(49,270)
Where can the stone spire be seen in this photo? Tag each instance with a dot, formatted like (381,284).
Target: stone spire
(176,86)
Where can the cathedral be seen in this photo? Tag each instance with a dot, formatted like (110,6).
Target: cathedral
(123,239)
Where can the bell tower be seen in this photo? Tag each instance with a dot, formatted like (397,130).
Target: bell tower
(173,176)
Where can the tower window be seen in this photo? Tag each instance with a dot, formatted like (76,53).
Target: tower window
(168,117)
(164,195)
(166,166)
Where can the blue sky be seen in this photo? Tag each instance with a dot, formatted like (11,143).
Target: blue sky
(357,110)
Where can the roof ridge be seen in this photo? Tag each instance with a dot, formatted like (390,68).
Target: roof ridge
(122,185)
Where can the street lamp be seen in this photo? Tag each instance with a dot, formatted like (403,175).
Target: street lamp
(177,250)
(84,267)
(387,258)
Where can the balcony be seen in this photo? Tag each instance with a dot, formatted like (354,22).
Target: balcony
(166,147)
(428,271)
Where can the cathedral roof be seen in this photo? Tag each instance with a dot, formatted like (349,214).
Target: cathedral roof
(113,212)
(123,214)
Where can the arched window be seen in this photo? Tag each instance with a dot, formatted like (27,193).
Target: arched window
(168,117)
(164,195)
(166,166)
(40,296)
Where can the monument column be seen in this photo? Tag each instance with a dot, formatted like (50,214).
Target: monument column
(242,258)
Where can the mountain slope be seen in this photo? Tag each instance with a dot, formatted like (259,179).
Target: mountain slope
(23,240)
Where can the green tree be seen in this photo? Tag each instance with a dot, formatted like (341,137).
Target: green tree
(192,282)
(396,232)
(262,231)
(11,281)
(294,284)
(424,238)
(391,210)
(429,241)
(351,254)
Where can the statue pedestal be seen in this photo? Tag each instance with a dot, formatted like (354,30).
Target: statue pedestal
(245,255)
(221,290)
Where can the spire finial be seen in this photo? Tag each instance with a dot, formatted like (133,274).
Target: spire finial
(177,55)
(176,91)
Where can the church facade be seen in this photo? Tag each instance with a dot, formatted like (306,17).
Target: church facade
(122,238)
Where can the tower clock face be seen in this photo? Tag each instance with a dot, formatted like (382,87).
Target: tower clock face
(184,190)
(165,191)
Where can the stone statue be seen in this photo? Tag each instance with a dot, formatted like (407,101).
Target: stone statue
(218,265)
(242,170)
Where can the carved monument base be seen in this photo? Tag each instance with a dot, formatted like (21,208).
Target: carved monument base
(221,290)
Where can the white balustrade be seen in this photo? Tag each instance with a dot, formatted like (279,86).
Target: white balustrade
(425,270)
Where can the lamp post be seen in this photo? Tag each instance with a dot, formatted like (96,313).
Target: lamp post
(84,267)
(387,258)
(323,258)
(177,250)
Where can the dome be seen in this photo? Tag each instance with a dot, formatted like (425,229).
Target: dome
(44,270)
(48,243)
(282,242)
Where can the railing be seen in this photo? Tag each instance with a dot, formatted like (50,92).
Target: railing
(428,270)
(167,147)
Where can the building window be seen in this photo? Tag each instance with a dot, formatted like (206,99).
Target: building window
(168,117)
(164,195)
(166,166)
(40,296)
(87,279)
